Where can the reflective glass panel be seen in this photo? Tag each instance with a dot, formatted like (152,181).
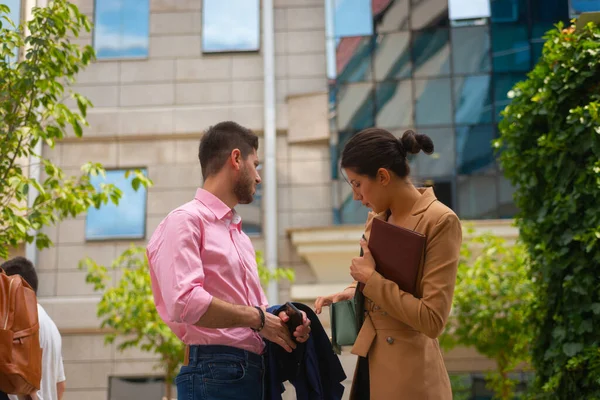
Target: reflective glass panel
(232,25)
(393,16)
(352,17)
(431,53)
(509,11)
(472,99)
(443,189)
(546,13)
(433,102)
(503,83)
(474,151)
(477,196)
(394,104)
(124,221)
(442,161)
(468,9)
(510,48)
(121,29)
(471,50)
(506,207)
(580,6)
(428,14)
(353,59)
(392,56)
(355,106)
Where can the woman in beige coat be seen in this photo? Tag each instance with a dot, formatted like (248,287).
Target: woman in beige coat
(398,349)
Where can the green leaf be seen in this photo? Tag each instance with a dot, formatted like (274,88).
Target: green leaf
(571,349)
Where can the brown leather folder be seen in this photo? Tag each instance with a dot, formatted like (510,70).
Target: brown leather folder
(397,252)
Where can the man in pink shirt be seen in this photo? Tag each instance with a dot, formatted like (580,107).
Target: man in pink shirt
(205,280)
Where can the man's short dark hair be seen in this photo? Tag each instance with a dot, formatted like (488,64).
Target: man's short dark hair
(219,141)
(24,267)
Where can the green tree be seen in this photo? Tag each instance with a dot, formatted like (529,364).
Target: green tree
(550,141)
(491,308)
(32,90)
(128,309)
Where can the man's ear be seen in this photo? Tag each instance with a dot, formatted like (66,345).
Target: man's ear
(235,158)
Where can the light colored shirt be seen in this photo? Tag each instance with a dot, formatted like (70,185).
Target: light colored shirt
(53,370)
(199,251)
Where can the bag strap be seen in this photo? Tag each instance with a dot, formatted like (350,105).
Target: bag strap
(27,332)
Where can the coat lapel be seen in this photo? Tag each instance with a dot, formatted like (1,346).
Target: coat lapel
(416,214)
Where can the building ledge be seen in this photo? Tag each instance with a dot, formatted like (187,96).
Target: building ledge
(328,251)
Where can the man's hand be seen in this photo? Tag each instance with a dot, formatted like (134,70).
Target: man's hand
(276,331)
(302,332)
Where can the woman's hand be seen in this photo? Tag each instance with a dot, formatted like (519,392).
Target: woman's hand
(325,301)
(363,267)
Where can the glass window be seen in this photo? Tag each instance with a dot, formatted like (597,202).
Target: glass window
(137,387)
(394,105)
(468,9)
(353,59)
(474,151)
(121,29)
(392,56)
(580,6)
(393,17)
(431,52)
(351,17)
(471,50)
(514,11)
(442,161)
(433,102)
(252,214)
(546,13)
(443,189)
(125,221)
(428,14)
(511,50)
(472,99)
(503,83)
(477,196)
(15,16)
(355,106)
(232,25)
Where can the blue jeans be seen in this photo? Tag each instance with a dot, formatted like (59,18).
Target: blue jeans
(221,373)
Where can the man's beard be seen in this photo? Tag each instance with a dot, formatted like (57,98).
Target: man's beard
(244,188)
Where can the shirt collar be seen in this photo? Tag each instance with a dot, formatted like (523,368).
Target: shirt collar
(214,204)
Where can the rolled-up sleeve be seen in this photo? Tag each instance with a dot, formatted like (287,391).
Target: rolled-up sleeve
(174,257)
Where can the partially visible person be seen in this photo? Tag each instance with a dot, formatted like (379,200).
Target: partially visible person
(398,349)
(205,279)
(53,375)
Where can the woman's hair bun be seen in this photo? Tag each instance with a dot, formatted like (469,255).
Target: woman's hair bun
(415,142)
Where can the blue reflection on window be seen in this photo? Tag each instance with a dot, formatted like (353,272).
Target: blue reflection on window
(511,48)
(353,59)
(121,28)
(474,151)
(468,9)
(15,16)
(579,6)
(472,99)
(125,221)
(503,83)
(231,25)
(433,102)
(352,17)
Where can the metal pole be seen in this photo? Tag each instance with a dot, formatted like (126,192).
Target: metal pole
(35,170)
(270,175)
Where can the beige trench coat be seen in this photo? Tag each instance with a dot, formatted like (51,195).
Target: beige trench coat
(400,331)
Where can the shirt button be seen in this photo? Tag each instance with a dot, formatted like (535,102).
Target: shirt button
(390,340)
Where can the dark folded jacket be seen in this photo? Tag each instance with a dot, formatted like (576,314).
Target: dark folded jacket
(312,368)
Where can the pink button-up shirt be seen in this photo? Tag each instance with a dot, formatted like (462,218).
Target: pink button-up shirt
(199,251)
